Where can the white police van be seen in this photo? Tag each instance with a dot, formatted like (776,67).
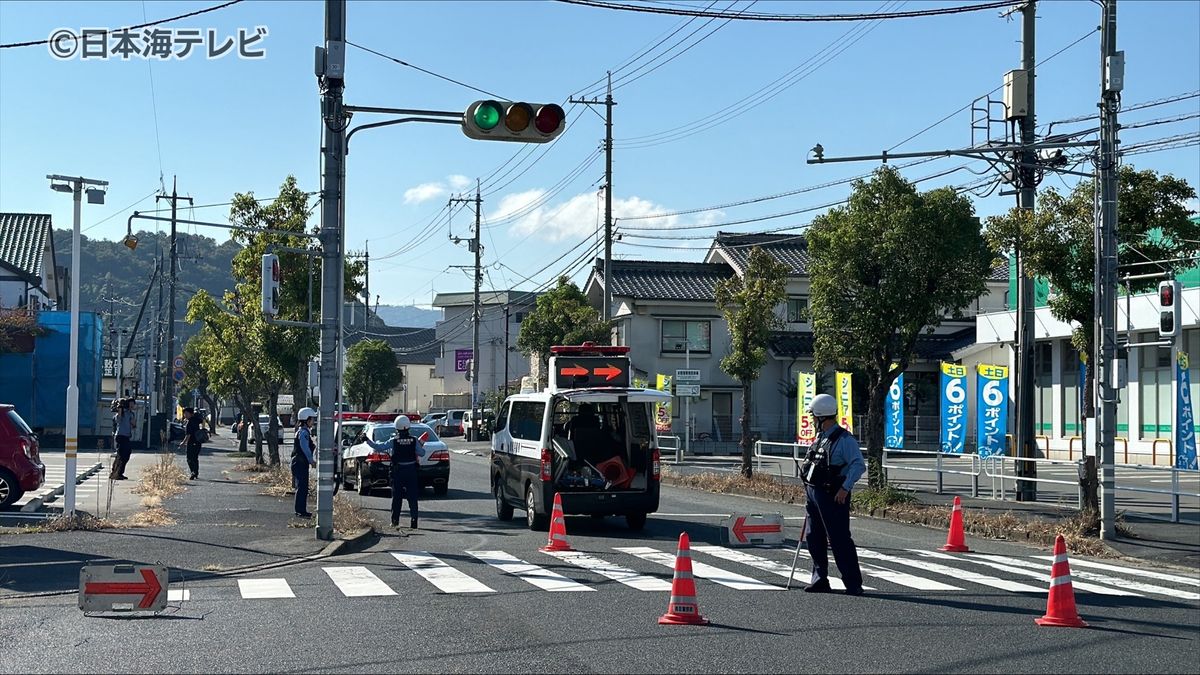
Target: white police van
(589,437)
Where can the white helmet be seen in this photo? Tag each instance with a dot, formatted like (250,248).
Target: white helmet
(823,405)
(402,422)
(306,414)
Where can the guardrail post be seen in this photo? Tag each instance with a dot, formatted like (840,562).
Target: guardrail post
(975,476)
(1174,495)
(939,473)
(758,456)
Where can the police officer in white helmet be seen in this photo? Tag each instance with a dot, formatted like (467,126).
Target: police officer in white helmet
(833,464)
(303,459)
(405,483)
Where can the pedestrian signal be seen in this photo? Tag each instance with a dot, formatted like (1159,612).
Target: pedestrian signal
(514,121)
(1168,308)
(270,284)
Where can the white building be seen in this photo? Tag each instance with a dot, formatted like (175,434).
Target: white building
(501,315)
(29,273)
(415,350)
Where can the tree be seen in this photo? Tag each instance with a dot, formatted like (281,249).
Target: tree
(748,303)
(562,317)
(372,372)
(887,267)
(1155,235)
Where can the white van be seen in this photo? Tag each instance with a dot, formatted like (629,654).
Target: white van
(588,437)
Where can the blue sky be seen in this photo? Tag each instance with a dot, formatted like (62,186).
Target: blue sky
(230,125)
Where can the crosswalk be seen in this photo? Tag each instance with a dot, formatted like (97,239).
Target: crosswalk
(648,569)
(56,475)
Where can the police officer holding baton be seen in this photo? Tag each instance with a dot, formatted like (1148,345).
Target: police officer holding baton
(833,464)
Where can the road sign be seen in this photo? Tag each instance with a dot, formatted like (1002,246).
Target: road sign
(107,588)
(753,528)
(591,371)
(687,390)
(178,375)
(178,362)
(687,375)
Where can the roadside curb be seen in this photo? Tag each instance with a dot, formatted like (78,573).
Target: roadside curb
(37,503)
(339,546)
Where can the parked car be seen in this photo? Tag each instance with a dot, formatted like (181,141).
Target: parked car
(482,427)
(451,424)
(366,469)
(432,418)
(264,425)
(21,468)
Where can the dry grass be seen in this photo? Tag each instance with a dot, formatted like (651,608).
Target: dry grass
(152,517)
(162,480)
(213,567)
(348,516)
(1080,529)
(63,523)
(252,467)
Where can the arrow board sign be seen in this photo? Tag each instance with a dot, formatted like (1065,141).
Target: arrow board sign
(752,529)
(122,588)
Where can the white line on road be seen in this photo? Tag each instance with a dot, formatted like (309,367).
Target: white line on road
(982,559)
(966,575)
(612,571)
(702,570)
(178,595)
(764,564)
(257,589)
(1105,579)
(438,573)
(898,578)
(358,582)
(1130,570)
(538,576)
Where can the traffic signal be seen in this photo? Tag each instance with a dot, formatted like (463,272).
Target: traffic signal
(270,284)
(514,121)
(1168,308)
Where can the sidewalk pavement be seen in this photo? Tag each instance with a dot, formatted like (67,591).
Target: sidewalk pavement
(1176,544)
(223,526)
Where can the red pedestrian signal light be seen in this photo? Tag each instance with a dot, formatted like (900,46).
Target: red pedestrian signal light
(1168,309)
(514,121)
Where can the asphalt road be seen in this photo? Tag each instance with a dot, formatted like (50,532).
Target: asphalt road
(437,599)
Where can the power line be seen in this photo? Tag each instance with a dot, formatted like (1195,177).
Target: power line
(33,43)
(426,71)
(763,16)
(1137,106)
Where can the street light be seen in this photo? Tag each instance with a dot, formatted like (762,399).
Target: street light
(76,187)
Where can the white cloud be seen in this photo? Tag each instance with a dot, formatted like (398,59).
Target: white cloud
(582,214)
(424,192)
(458,182)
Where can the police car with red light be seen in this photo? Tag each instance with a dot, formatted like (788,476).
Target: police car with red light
(588,437)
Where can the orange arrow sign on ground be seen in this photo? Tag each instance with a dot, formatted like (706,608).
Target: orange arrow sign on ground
(741,529)
(610,372)
(573,370)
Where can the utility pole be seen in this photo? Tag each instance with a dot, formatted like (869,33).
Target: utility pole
(367,284)
(475,245)
(170,381)
(606,309)
(1112,75)
(505,352)
(1026,171)
(331,76)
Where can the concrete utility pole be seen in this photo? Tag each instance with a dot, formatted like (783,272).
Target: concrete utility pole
(505,352)
(1026,446)
(606,308)
(334,122)
(1112,77)
(76,186)
(170,383)
(475,317)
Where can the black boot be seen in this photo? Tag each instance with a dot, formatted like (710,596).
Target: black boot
(413,523)
(821,586)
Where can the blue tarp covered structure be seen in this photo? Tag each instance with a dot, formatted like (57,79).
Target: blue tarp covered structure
(36,383)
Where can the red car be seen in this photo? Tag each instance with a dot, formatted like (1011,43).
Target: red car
(21,468)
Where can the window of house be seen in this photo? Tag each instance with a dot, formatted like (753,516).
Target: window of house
(680,335)
(519,317)
(797,309)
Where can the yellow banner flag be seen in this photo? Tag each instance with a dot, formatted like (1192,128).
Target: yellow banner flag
(806,389)
(845,402)
(662,411)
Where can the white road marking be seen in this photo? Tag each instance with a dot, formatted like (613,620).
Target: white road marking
(178,595)
(538,576)
(982,559)
(358,582)
(1194,581)
(612,571)
(438,573)
(898,578)
(256,589)
(702,570)
(967,575)
(765,565)
(1105,579)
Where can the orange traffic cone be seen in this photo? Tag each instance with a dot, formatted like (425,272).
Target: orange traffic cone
(558,528)
(1060,605)
(683,610)
(955,542)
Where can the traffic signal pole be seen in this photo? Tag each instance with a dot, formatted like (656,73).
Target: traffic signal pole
(1026,445)
(334,123)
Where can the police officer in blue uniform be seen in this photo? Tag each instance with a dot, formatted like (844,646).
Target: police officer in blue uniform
(302,459)
(833,464)
(405,483)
